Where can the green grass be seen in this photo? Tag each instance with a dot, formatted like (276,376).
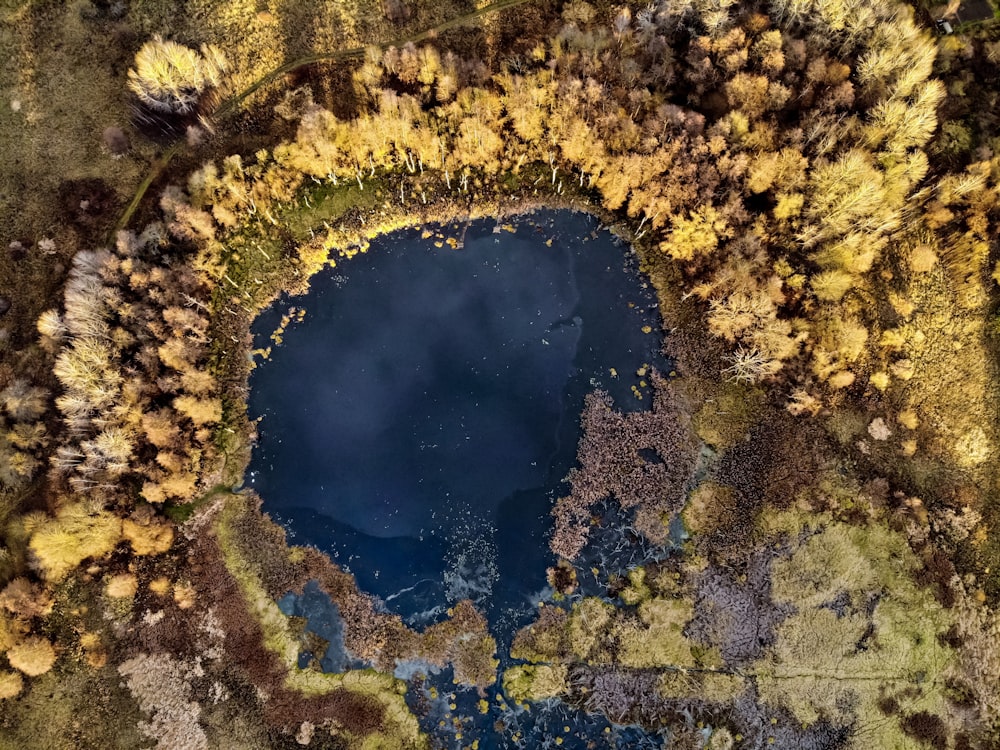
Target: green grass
(180,513)
(327,202)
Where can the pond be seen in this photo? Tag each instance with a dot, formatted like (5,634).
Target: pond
(418,422)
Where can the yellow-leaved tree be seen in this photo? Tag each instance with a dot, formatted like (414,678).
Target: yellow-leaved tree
(59,544)
(169,77)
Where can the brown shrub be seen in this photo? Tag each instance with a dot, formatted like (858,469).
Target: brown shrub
(613,461)
(926,728)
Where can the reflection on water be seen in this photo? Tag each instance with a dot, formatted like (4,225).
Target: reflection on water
(419,422)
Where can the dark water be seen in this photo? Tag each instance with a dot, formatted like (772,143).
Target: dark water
(418,423)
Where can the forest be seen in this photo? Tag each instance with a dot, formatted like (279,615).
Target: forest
(812,189)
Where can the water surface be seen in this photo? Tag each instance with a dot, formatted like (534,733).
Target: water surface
(419,421)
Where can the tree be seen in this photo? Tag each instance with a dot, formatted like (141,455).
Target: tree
(750,365)
(847,195)
(10,684)
(51,326)
(201,411)
(147,537)
(784,170)
(730,316)
(22,401)
(25,599)
(748,93)
(171,78)
(697,234)
(110,451)
(32,656)
(831,286)
(61,543)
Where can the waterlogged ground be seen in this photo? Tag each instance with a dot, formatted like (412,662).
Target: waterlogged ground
(418,422)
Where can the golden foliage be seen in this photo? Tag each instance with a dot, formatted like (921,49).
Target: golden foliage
(160,428)
(153,492)
(25,599)
(695,235)
(32,656)
(789,206)
(61,543)
(122,586)
(181,486)
(160,586)
(831,286)
(848,195)
(837,200)
(730,316)
(201,411)
(784,170)
(184,594)
(10,685)
(11,630)
(151,538)
(50,325)
(170,77)
(110,450)
(22,401)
